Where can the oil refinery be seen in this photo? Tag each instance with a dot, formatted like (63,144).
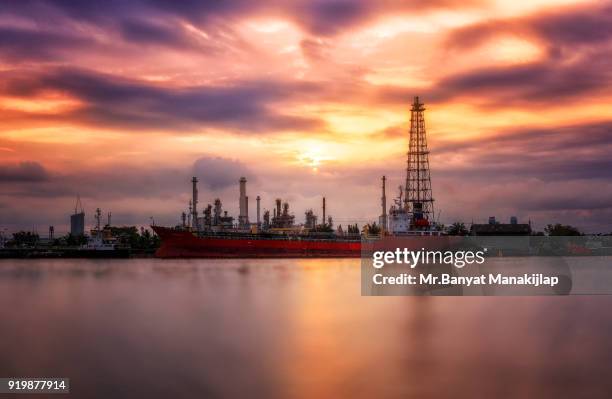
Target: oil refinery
(215,233)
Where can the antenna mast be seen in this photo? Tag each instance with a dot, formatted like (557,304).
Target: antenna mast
(78,206)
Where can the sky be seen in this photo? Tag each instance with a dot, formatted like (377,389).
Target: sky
(121,102)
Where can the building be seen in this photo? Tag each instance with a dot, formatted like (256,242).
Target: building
(77,220)
(494,228)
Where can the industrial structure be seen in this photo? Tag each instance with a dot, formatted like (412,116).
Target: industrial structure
(383,217)
(214,219)
(243,217)
(194,202)
(418,197)
(215,234)
(413,211)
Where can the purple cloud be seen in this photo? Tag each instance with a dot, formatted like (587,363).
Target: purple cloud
(118,102)
(23,172)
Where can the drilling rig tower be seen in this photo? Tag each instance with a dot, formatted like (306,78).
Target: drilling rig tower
(418,198)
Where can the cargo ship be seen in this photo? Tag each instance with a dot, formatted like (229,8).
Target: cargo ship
(213,234)
(178,243)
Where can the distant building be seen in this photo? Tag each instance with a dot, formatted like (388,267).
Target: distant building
(494,228)
(77,219)
(77,224)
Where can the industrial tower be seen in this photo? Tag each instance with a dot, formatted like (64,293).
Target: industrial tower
(243,217)
(417,195)
(194,203)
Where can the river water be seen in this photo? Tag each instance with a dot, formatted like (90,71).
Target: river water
(288,329)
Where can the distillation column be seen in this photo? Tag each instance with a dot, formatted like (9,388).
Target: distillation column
(194,202)
(243,217)
(258,210)
(383,218)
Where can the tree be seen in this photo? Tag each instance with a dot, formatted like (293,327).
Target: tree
(353,229)
(561,230)
(340,231)
(324,228)
(130,236)
(24,239)
(372,229)
(75,240)
(457,229)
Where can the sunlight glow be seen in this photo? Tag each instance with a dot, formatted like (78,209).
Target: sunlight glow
(53,104)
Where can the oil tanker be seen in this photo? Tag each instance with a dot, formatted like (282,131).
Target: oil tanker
(213,234)
(179,243)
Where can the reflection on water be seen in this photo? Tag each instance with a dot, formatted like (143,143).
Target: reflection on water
(288,329)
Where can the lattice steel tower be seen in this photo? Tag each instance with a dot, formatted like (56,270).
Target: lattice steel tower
(417,196)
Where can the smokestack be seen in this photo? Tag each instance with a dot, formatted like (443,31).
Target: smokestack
(323,210)
(258,220)
(246,206)
(384,204)
(243,216)
(194,202)
(98,215)
(278,207)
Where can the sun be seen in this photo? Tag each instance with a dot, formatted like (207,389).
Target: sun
(313,157)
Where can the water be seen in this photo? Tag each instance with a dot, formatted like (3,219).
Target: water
(288,329)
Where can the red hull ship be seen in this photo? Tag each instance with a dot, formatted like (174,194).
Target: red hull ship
(176,243)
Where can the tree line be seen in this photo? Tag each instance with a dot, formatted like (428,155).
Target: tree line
(128,236)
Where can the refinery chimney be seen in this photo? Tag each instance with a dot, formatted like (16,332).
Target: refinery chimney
(383,218)
(258,210)
(243,217)
(278,207)
(323,211)
(194,202)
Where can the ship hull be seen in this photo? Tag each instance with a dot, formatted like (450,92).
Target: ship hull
(183,244)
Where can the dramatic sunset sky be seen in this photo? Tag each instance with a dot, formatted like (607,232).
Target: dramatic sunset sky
(123,101)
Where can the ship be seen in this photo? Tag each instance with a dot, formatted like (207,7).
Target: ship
(178,243)
(212,233)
